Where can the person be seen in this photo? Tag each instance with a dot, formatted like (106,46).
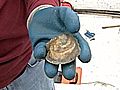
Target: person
(25,28)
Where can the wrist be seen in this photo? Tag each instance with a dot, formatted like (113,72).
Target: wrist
(41,7)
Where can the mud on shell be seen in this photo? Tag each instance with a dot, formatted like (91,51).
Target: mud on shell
(62,49)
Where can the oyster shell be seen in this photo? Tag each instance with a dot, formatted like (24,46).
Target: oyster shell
(62,49)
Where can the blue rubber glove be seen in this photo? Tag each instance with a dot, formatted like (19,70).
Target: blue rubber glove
(50,22)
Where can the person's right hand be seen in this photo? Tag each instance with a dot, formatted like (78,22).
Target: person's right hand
(49,23)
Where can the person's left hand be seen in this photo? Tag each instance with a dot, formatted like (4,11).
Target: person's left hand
(51,22)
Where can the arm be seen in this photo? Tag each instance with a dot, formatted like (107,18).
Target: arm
(46,23)
(32,4)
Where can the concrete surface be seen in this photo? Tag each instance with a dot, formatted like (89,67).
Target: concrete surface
(96,4)
(105,64)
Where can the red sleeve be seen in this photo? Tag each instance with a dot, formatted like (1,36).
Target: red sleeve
(31,4)
(67,4)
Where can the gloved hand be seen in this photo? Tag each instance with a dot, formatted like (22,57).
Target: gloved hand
(50,22)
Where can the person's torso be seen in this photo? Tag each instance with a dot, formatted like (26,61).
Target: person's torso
(15,46)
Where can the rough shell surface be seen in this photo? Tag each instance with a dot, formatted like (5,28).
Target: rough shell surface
(62,49)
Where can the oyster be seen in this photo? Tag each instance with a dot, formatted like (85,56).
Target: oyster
(62,49)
